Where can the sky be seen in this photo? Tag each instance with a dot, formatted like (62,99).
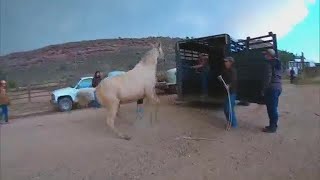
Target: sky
(31,24)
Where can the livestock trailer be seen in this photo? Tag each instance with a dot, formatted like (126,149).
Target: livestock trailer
(249,62)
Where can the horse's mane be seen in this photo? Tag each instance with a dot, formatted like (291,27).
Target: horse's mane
(149,54)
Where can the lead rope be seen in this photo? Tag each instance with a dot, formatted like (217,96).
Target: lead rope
(229,99)
(230,108)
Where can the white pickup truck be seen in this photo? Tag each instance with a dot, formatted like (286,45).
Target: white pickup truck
(169,85)
(66,98)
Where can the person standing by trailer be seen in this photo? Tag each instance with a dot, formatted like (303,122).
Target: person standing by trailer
(4,101)
(272,89)
(230,77)
(292,73)
(203,67)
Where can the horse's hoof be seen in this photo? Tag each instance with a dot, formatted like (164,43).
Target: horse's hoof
(126,137)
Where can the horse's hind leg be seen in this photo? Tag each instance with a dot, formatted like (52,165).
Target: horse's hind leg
(113,108)
(154,101)
(118,110)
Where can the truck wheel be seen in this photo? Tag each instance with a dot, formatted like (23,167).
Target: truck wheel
(65,104)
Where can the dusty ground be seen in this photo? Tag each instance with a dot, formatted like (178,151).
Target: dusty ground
(79,146)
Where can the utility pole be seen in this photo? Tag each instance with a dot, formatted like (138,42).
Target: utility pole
(302,60)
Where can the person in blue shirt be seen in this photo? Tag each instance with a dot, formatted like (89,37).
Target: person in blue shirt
(272,89)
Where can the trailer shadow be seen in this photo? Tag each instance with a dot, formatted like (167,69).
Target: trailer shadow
(206,105)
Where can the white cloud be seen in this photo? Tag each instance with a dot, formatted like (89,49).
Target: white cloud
(78,20)
(243,18)
(281,20)
(310,1)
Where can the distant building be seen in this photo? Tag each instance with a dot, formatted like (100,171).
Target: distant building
(297,65)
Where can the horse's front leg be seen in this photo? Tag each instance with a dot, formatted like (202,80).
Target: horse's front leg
(156,106)
(118,110)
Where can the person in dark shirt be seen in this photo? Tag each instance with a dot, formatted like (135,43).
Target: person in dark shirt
(272,89)
(230,77)
(292,73)
(96,79)
(203,68)
(95,82)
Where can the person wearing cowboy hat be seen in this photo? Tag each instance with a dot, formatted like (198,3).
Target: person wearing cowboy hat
(272,88)
(4,101)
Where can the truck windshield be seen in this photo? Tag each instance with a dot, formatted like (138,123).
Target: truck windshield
(73,83)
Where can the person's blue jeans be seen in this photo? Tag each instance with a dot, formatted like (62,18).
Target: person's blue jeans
(227,107)
(96,104)
(204,82)
(4,112)
(272,101)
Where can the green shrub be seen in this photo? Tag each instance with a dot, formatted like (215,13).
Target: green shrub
(12,84)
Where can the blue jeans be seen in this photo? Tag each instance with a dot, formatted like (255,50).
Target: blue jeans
(4,112)
(96,104)
(204,81)
(227,107)
(272,101)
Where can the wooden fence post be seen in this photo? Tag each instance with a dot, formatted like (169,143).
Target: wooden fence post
(29,93)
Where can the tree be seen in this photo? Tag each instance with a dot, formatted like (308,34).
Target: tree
(285,57)
(12,84)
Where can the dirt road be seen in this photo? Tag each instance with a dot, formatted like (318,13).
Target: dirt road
(79,146)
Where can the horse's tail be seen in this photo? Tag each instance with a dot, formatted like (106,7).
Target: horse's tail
(85,96)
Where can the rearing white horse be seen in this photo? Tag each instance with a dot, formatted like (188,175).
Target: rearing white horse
(135,84)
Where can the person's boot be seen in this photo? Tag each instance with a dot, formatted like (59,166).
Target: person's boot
(269,129)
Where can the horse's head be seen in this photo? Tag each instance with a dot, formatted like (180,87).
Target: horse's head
(161,54)
(152,56)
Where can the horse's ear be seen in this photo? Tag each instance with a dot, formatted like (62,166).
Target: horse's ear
(158,44)
(153,45)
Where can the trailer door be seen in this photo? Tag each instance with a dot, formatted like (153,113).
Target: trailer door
(250,66)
